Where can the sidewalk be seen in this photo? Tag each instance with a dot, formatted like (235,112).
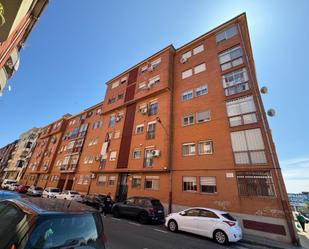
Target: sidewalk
(303,236)
(267,243)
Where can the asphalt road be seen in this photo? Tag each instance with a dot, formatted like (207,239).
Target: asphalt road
(129,234)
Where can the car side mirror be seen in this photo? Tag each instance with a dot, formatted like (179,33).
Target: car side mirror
(182,213)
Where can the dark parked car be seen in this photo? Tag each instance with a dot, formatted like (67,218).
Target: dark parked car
(49,223)
(4,195)
(144,208)
(96,201)
(22,189)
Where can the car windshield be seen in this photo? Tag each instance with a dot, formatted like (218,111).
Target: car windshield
(156,203)
(54,190)
(38,188)
(81,230)
(229,217)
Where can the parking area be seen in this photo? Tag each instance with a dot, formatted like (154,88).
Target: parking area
(126,233)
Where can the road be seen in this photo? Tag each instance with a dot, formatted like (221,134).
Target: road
(128,234)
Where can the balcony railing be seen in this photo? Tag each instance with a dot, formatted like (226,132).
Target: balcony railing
(102,164)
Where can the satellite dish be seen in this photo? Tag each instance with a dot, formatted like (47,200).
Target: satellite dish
(264,90)
(271,112)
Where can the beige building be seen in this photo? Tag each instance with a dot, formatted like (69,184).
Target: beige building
(22,152)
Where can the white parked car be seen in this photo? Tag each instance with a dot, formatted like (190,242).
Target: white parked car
(7,182)
(13,186)
(70,195)
(51,192)
(35,191)
(219,225)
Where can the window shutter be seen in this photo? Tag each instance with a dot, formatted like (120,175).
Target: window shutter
(254,139)
(208,180)
(239,141)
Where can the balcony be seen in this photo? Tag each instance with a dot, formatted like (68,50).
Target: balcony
(69,168)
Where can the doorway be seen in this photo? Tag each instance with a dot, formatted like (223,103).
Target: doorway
(122,190)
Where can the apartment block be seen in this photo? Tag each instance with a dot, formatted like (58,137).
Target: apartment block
(17,164)
(6,154)
(185,125)
(17,19)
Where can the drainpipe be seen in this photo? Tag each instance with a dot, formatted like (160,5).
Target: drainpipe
(283,196)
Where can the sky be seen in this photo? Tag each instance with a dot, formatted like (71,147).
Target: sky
(79,45)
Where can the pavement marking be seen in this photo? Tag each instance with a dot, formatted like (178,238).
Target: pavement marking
(159,230)
(116,219)
(133,223)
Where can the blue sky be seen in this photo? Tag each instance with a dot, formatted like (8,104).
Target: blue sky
(78,45)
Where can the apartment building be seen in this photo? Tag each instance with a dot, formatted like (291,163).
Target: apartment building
(17,19)
(186,126)
(6,154)
(44,153)
(23,148)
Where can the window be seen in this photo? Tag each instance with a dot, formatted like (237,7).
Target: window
(199,68)
(111,100)
(231,58)
(79,142)
(186,74)
(201,90)
(235,82)
(187,55)
(101,180)
(156,62)
(123,80)
(151,130)
(148,160)
(144,69)
(83,127)
(74,132)
(248,147)
(241,111)
(97,124)
(112,121)
(226,34)
(202,116)
(255,183)
(111,180)
(188,149)
(193,212)
(66,160)
(137,153)
(152,182)
(117,134)
(88,159)
(208,184)
(189,184)
(83,180)
(153,109)
(198,49)
(205,147)
(120,96)
(136,181)
(70,145)
(188,120)
(139,129)
(113,155)
(154,80)
(187,95)
(142,85)
(115,84)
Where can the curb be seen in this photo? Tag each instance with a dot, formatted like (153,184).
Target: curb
(265,244)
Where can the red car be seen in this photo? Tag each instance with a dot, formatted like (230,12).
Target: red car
(22,189)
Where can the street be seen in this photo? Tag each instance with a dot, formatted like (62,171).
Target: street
(129,234)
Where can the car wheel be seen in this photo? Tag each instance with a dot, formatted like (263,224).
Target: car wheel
(143,218)
(172,226)
(116,213)
(220,237)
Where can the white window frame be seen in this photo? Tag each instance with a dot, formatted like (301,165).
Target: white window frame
(186,93)
(203,121)
(139,126)
(115,84)
(134,154)
(187,116)
(187,73)
(113,156)
(201,88)
(190,153)
(198,49)
(206,152)
(200,68)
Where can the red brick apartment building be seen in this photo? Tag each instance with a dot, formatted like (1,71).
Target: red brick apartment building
(186,126)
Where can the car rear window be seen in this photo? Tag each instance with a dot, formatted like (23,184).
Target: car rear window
(82,231)
(156,203)
(229,217)
(55,190)
(11,217)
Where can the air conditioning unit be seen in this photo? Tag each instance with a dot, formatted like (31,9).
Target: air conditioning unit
(92,175)
(155,153)
(183,60)
(118,118)
(97,158)
(143,110)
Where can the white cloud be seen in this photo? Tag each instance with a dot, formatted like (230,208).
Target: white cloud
(296,174)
